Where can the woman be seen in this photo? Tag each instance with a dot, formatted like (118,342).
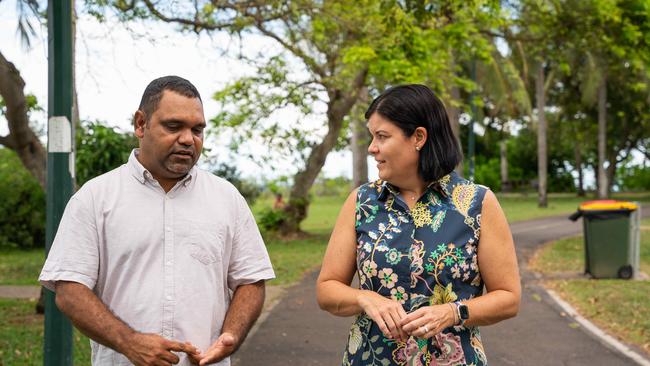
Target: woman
(423,241)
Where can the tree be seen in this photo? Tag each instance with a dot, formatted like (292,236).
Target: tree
(330,51)
(618,53)
(21,137)
(505,98)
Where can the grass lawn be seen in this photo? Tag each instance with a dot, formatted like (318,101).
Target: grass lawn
(619,306)
(520,207)
(21,334)
(291,259)
(20,267)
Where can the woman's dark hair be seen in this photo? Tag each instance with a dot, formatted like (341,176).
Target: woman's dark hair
(412,106)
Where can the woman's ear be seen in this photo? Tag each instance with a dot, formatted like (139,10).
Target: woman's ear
(420,136)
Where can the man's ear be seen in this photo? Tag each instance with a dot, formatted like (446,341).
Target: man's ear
(139,123)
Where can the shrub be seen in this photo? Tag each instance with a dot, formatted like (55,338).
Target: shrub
(101,149)
(22,205)
(488,173)
(269,220)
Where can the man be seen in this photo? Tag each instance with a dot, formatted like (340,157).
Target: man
(157,261)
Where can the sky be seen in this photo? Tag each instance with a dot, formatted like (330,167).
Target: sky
(114,65)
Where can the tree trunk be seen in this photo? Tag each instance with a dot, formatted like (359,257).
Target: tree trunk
(610,172)
(542,165)
(340,104)
(454,115)
(359,144)
(503,155)
(578,156)
(21,138)
(602,138)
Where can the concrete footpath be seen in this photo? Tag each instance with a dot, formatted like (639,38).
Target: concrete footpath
(296,332)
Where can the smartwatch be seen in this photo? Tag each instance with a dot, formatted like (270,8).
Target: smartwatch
(463,312)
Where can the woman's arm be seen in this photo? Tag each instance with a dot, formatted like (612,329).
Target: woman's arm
(333,290)
(498,266)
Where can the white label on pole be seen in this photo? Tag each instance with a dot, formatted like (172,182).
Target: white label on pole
(71,165)
(59,135)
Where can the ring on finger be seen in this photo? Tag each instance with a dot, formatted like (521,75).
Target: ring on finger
(426,330)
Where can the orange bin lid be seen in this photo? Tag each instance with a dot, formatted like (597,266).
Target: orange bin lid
(606,205)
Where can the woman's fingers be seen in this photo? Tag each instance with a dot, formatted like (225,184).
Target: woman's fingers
(386,313)
(393,332)
(412,320)
(377,317)
(426,321)
(398,314)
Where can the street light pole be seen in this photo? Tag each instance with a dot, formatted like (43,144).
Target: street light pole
(60,164)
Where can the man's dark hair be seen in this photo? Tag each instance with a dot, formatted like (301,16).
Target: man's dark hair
(154,91)
(412,106)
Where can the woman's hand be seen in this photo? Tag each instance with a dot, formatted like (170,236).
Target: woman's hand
(387,313)
(428,321)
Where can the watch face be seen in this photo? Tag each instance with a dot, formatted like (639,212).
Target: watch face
(464,311)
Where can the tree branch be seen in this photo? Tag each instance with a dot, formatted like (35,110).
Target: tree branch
(7,142)
(195,23)
(308,60)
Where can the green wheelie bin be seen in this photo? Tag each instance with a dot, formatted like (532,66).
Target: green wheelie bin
(611,235)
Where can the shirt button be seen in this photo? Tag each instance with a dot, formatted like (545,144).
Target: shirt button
(169,263)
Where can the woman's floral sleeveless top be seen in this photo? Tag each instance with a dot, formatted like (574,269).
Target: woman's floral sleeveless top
(419,257)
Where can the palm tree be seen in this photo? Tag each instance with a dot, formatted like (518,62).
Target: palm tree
(506,98)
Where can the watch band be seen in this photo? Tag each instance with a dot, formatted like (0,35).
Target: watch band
(462,312)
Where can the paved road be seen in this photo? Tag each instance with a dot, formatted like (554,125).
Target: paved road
(296,332)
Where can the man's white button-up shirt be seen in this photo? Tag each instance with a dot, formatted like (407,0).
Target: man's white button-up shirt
(164,263)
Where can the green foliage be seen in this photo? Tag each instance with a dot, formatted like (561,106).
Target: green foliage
(101,149)
(269,220)
(249,189)
(487,173)
(326,46)
(330,45)
(635,178)
(338,186)
(22,205)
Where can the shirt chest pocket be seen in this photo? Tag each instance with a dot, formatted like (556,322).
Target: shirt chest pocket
(202,241)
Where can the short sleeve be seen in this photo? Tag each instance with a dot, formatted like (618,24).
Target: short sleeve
(249,260)
(74,255)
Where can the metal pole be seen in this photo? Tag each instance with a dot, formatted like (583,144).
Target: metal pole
(60,164)
(471,138)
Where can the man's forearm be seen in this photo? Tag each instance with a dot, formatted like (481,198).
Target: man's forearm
(244,309)
(91,316)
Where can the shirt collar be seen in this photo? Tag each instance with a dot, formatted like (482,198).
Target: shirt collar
(438,186)
(143,175)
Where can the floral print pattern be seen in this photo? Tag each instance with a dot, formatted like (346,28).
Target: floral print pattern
(418,257)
